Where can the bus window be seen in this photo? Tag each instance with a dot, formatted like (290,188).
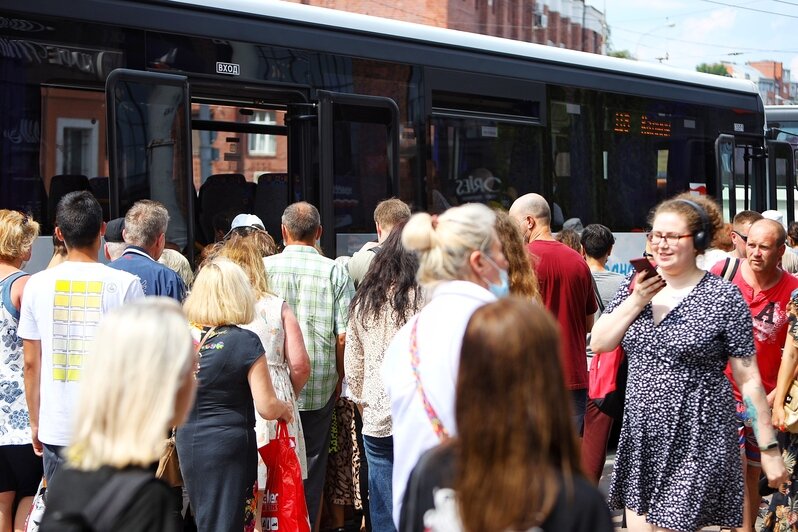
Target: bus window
(482,160)
(574,158)
(149,143)
(781,177)
(360,161)
(73,154)
(240,156)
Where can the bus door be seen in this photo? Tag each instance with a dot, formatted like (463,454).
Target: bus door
(149,147)
(740,179)
(358,166)
(241,159)
(781,177)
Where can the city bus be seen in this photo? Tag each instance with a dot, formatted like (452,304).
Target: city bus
(215,108)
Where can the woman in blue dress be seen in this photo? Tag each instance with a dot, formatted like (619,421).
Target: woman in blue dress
(217,446)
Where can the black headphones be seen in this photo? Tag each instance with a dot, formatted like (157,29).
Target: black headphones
(701,237)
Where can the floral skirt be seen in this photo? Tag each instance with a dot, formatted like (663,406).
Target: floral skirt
(782,514)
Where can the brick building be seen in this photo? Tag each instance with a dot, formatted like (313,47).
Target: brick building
(771,78)
(563,23)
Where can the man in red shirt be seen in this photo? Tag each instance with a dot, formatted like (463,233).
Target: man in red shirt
(766,288)
(566,288)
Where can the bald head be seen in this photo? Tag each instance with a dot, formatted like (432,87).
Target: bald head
(532,214)
(765,248)
(771,227)
(533,205)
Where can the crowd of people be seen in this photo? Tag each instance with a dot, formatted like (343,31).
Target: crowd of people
(437,380)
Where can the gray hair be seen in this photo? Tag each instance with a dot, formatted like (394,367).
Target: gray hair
(115,249)
(175,261)
(301,220)
(145,222)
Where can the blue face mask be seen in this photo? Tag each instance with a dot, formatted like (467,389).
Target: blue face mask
(502,289)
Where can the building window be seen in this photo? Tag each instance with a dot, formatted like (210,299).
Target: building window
(263,145)
(78,146)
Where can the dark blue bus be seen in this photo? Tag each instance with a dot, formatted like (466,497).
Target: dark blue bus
(215,108)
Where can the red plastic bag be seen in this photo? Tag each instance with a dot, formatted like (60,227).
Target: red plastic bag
(283,508)
(607,381)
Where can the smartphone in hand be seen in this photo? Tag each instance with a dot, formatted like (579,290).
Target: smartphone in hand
(642,264)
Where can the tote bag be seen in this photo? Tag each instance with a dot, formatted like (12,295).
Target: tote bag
(283,508)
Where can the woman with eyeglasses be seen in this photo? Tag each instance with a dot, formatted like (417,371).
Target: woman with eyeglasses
(678,461)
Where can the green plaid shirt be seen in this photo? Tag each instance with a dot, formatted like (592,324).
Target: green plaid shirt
(318,290)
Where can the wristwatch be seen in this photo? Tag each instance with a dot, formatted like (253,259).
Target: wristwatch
(769,446)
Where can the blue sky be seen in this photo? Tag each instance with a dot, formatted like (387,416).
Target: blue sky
(689,32)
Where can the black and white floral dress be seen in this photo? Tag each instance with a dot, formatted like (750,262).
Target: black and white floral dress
(678,459)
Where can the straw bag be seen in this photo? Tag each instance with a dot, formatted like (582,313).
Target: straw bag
(791,408)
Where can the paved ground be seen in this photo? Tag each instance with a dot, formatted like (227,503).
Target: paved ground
(617,516)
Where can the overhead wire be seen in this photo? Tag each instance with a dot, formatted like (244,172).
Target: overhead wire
(740,6)
(712,45)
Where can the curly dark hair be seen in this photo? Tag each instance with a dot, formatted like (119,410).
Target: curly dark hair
(392,273)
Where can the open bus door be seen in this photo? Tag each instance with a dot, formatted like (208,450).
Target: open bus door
(358,166)
(149,147)
(781,178)
(740,174)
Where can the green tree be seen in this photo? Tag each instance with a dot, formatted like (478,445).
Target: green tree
(623,54)
(715,68)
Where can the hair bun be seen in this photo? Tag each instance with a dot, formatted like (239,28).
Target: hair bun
(419,233)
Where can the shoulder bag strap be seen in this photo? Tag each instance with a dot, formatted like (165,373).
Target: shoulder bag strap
(435,421)
(725,267)
(598,296)
(117,494)
(730,275)
(205,338)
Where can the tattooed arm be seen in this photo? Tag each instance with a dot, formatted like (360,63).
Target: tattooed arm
(746,375)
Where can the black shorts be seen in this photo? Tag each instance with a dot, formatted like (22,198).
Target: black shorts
(20,470)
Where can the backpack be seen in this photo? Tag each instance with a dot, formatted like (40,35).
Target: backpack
(607,376)
(104,509)
(727,273)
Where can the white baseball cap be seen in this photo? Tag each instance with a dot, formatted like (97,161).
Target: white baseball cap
(246,220)
(774,215)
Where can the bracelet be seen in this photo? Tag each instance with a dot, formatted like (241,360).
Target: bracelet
(769,446)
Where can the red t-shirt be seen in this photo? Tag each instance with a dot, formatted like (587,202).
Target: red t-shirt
(566,288)
(769,313)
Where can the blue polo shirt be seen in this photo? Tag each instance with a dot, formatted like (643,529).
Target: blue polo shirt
(156,279)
